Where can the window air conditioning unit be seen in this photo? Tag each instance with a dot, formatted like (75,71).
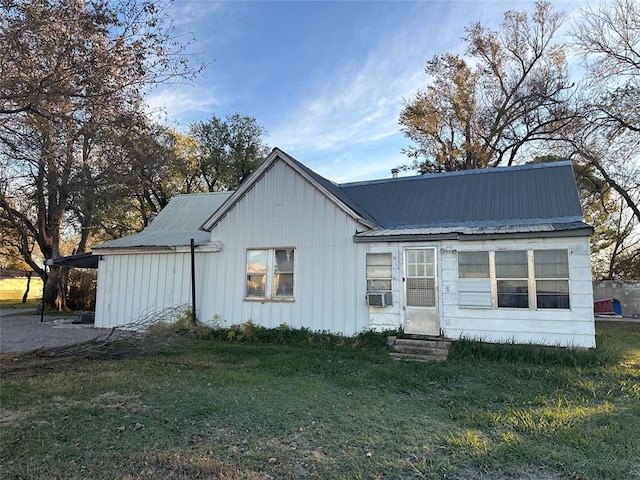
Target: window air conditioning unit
(380,299)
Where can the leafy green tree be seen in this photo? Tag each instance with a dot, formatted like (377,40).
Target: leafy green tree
(228,150)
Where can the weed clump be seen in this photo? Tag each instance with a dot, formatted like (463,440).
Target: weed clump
(470,349)
(249,332)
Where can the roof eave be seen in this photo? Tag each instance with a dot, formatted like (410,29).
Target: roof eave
(426,237)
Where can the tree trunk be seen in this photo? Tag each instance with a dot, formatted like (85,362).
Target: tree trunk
(26,293)
(56,288)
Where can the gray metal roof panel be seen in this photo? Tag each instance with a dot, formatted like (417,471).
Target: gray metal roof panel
(176,224)
(537,191)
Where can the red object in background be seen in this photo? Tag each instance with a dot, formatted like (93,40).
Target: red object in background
(611,306)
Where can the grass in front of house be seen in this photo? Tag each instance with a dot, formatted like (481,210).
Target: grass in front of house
(13,304)
(219,409)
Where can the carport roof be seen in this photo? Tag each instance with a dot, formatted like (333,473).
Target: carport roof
(176,224)
(81,260)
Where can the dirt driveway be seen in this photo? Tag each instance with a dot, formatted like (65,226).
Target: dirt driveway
(21,331)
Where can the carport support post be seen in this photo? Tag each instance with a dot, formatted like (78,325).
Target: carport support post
(44,285)
(193,282)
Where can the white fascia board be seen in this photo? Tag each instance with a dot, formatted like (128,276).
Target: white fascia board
(207,247)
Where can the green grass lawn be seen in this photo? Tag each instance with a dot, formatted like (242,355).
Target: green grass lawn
(215,409)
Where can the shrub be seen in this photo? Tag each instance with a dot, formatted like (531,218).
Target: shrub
(249,332)
(81,289)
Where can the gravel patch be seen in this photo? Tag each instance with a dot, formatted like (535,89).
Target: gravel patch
(21,331)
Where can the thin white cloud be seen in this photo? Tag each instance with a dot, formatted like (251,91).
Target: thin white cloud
(180,102)
(361,104)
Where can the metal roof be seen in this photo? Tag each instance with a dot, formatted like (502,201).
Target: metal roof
(176,224)
(535,199)
(530,194)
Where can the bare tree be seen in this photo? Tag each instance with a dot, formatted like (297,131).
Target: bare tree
(608,133)
(513,92)
(68,71)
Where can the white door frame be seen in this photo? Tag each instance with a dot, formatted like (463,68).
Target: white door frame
(421,315)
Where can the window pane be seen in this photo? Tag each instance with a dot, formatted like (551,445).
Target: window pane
(283,273)
(284,261)
(256,273)
(551,263)
(420,263)
(511,264)
(378,285)
(378,259)
(283,285)
(473,264)
(513,293)
(379,271)
(255,285)
(256,261)
(552,293)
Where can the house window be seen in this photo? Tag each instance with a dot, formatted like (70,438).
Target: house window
(379,279)
(520,279)
(474,284)
(552,278)
(512,279)
(378,272)
(270,274)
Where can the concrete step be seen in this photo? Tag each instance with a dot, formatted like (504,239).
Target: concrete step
(425,349)
(419,343)
(418,358)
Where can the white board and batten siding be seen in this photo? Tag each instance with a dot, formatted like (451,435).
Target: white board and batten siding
(137,286)
(287,211)
(570,327)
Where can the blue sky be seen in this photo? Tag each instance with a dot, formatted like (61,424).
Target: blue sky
(327,80)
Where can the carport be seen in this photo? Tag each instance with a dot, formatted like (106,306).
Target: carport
(80,260)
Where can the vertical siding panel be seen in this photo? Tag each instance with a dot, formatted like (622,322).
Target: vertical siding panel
(284,210)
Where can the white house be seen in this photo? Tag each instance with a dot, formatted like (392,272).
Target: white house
(498,254)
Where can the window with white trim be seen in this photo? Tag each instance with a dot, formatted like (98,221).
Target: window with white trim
(532,279)
(552,278)
(270,274)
